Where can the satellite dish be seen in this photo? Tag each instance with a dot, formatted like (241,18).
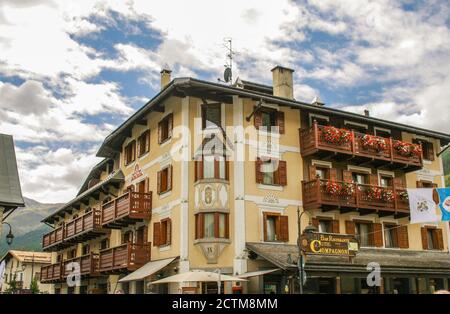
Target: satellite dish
(227,76)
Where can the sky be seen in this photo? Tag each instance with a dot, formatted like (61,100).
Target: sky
(72,71)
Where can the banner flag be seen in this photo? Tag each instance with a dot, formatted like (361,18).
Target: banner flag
(444,202)
(422,206)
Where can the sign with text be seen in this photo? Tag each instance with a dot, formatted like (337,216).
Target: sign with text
(329,244)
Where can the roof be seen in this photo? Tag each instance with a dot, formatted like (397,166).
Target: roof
(148,269)
(28,256)
(114,177)
(94,173)
(210,90)
(391,261)
(10,191)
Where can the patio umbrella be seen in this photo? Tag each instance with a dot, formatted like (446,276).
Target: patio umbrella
(197,275)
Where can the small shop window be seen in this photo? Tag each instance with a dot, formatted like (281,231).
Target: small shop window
(144,143)
(211,116)
(130,152)
(165,129)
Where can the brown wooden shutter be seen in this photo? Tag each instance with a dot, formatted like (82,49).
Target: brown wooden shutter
(147,185)
(349,227)
(373,179)
(169,125)
(347,176)
(377,230)
(169,231)
(430,151)
(282,173)
(258,173)
(312,172)
(147,144)
(227,226)
(265,226)
(419,184)
(424,234)
(156,233)
(227,169)
(216,168)
(335,226)
(315,223)
(159,132)
(196,170)
(198,226)
(439,239)
(203,113)
(280,122)
(257,118)
(138,146)
(169,178)
(284,229)
(159,182)
(402,236)
(216,225)
(398,183)
(332,174)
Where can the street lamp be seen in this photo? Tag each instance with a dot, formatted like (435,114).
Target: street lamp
(310,228)
(9,236)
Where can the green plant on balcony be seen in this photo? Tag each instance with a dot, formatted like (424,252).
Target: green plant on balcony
(334,135)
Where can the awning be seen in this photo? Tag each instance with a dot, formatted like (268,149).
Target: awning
(257,273)
(147,270)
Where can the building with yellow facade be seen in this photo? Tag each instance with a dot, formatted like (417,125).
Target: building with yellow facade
(210,176)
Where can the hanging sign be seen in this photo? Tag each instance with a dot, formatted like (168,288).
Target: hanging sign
(329,244)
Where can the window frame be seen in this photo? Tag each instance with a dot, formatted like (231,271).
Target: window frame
(130,153)
(370,233)
(204,110)
(391,227)
(165,129)
(146,144)
(200,225)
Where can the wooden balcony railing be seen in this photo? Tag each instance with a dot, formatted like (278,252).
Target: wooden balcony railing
(331,194)
(53,238)
(128,256)
(126,209)
(312,141)
(88,264)
(88,222)
(51,273)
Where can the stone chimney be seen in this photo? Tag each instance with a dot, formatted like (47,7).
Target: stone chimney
(283,84)
(165,76)
(366,113)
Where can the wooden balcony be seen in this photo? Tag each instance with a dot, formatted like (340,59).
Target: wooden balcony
(51,273)
(88,265)
(126,209)
(362,198)
(53,240)
(355,149)
(84,228)
(124,258)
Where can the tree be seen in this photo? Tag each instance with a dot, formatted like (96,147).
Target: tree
(13,286)
(34,286)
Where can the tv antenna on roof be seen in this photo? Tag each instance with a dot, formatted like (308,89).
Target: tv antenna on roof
(228,72)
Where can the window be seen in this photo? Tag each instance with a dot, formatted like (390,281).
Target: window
(165,129)
(210,167)
(427,149)
(360,178)
(130,152)
(127,237)
(363,232)
(276,228)
(426,184)
(357,127)
(165,180)
(322,172)
(271,172)
(86,249)
(267,118)
(72,253)
(211,225)
(432,238)
(144,143)
(325,226)
(390,236)
(162,232)
(320,120)
(104,244)
(382,133)
(211,116)
(386,181)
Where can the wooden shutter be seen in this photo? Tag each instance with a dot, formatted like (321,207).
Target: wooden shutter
(159,182)
(282,173)
(439,239)
(349,227)
(227,226)
(156,233)
(216,168)
(196,170)
(312,172)
(265,226)
(315,223)
(280,122)
(402,236)
(169,125)
(138,145)
(169,178)
(373,179)
(377,229)
(147,185)
(430,151)
(199,226)
(347,176)
(335,226)
(424,234)
(258,173)
(284,229)
(169,231)
(398,183)
(257,118)
(203,113)
(147,143)
(227,169)
(332,174)
(160,132)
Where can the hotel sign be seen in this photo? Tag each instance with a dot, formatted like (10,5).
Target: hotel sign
(137,173)
(329,244)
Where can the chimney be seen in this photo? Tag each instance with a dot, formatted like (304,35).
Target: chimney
(317,101)
(366,112)
(283,85)
(165,76)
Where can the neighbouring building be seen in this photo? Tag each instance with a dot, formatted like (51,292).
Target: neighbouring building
(210,176)
(21,267)
(10,191)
